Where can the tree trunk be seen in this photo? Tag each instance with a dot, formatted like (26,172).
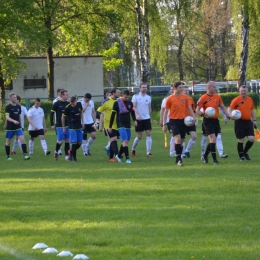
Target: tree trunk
(244,52)
(147,42)
(223,55)
(179,55)
(2,85)
(141,46)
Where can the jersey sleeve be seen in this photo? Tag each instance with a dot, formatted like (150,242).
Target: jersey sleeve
(7,109)
(66,111)
(220,100)
(163,103)
(134,99)
(233,103)
(54,107)
(29,114)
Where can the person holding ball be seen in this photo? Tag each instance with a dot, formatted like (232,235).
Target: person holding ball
(244,125)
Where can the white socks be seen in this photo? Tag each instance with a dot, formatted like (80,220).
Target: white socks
(136,141)
(44,145)
(203,143)
(31,145)
(219,145)
(172,145)
(148,144)
(84,146)
(90,142)
(190,145)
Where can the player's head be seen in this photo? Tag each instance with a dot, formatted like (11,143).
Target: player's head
(243,90)
(13,98)
(108,94)
(125,95)
(115,92)
(64,95)
(37,102)
(18,99)
(73,101)
(211,87)
(59,92)
(171,90)
(87,97)
(186,90)
(178,87)
(144,87)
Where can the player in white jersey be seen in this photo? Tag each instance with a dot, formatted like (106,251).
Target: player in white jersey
(172,144)
(37,126)
(89,117)
(55,100)
(23,115)
(143,110)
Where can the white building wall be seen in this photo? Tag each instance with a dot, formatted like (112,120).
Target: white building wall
(78,75)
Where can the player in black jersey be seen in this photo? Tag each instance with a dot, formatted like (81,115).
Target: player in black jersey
(122,108)
(13,126)
(73,113)
(58,108)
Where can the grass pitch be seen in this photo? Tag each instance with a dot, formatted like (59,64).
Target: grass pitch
(150,209)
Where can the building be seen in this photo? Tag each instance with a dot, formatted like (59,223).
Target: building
(77,74)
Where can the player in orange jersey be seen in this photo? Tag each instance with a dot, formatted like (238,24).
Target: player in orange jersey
(244,125)
(211,125)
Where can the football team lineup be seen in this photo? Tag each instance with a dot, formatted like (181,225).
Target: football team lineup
(76,123)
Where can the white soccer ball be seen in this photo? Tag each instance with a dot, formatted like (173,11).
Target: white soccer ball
(188,120)
(236,114)
(210,112)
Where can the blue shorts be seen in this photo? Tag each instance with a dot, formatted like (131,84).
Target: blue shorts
(10,133)
(125,134)
(60,135)
(76,136)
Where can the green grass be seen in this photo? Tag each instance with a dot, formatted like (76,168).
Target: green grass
(150,209)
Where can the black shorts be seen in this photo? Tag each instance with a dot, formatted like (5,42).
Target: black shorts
(143,125)
(113,134)
(169,127)
(89,128)
(243,128)
(36,133)
(191,128)
(211,126)
(178,127)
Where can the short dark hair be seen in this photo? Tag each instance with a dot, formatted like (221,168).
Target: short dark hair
(144,83)
(73,99)
(113,90)
(126,92)
(59,90)
(63,91)
(88,95)
(18,98)
(37,99)
(177,84)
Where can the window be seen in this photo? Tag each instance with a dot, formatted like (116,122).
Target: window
(34,83)
(9,86)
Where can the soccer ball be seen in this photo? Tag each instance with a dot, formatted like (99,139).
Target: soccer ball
(236,114)
(210,112)
(188,120)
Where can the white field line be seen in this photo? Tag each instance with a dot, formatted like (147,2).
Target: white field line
(13,252)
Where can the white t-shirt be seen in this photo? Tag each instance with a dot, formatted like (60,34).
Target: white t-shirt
(23,114)
(36,115)
(87,114)
(163,106)
(142,105)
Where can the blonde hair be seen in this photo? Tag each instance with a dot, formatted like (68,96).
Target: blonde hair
(11,94)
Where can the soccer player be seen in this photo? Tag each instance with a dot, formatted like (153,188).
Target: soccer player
(58,108)
(172,144)
(219,143)
(13,126)
(107,107)
(23,115)
(191,130)
(177,104)
(89,117)
(143,110)
(122,109)
(211,125)
(55,100)
(37,126)
(73,113)
(244,125)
